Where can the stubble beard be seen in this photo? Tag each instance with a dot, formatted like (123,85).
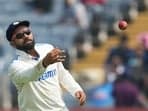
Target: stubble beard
(26,47)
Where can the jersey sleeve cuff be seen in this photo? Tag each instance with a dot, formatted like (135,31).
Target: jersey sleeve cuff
(40,67)
(75,90)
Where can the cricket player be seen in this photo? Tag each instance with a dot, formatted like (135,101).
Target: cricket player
(38,72)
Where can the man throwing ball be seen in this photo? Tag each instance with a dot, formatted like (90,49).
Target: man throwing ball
(38,72)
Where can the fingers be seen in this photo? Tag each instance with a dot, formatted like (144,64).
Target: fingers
(56,55)
(82,100)
(57,52)
(80,95)
(82,103)
(60,55)
(60,58)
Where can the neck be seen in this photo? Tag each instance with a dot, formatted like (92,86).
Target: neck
(33,52)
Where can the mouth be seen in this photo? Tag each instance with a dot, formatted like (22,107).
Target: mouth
(28,42)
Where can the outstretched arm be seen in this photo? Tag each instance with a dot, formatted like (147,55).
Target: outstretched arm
(23,72)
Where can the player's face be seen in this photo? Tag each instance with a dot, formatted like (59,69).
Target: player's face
(22,38)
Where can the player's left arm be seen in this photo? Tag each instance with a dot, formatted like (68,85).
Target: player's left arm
(69,83)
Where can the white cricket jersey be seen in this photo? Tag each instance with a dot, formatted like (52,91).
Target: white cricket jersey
(39,88)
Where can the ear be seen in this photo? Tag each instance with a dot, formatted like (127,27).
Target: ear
(12,44)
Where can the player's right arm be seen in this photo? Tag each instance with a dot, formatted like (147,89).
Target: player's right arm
(23,72)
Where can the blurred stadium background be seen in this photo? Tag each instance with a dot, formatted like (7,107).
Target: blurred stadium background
(111,65)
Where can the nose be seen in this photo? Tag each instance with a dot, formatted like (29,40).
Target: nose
(25,35)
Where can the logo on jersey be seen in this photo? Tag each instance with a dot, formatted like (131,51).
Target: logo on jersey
(48,74)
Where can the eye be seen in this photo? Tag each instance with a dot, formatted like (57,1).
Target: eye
(19,35)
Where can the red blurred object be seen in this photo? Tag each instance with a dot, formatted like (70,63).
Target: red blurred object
(122,24)
(108,109)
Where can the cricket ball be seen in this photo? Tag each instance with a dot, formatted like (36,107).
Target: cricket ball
(122,24)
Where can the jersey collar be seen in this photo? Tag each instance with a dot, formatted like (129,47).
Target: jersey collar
(24,55)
